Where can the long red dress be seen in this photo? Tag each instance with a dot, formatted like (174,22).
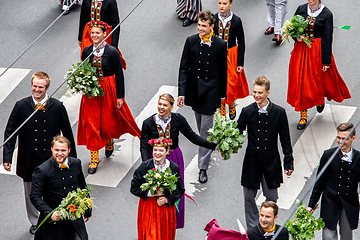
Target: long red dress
(99,118)
(308,84)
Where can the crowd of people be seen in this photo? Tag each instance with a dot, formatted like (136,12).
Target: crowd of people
(211,76)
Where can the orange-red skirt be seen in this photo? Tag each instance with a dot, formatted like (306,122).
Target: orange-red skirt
(308,84)
(87,41)
(237,85)
(99,118)
(154,222)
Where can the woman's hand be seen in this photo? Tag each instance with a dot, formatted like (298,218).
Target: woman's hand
(120,102)
(324,68)
(79,43)
(239,69)
(300,38)
(55,216)
(161,201)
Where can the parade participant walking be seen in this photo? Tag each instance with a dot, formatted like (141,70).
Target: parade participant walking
(338,186)
(51,182)
(312,71)
(229,27)
(156,213)
(169,125)
(34,138)
(99,10)
(266,228)
(264,121)
(188,10)
(277,11)
(105,117)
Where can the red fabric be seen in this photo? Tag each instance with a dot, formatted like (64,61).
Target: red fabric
(237,85)
(87,41)
(218,233)
(99,118)
(154,222)
(308,84)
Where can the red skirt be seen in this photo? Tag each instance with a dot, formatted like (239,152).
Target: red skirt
(99,118)
(237,85)
(154,222)
(308,84)
(87,41)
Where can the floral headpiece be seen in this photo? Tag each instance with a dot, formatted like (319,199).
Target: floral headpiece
(169,99)
(99,24)
(160,142)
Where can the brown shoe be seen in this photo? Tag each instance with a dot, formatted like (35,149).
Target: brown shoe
(277,38)
(269,30)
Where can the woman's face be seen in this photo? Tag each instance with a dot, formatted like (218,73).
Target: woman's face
(159,153)
(97,35)
(164,108)
(314,3)
(224,5)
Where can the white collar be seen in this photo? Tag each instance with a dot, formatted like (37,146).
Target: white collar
(348,155)
(163,167)
(263,109)
(206,43)
(316,13)
(66,162)
(224,21)
(42,101)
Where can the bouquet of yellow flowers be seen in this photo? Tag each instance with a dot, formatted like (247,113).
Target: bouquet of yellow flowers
(158,180)
(73,206)
(295,28)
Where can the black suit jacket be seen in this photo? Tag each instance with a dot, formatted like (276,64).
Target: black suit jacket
(50,184)
(338,186)
(262,154)
(257,233)
(203,74)
(139,179)
(177,124)
(34,138)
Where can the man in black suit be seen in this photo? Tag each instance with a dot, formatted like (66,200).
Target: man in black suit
(203,79)
(266,228)
(51,182)
(265,121)
(338,186)
(35,136)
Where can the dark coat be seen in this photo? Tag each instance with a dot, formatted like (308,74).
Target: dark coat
(338,186)
(139,179)
(203,74)
(50,184)
(177,124)
(257,233)
(262,154)
(34,138)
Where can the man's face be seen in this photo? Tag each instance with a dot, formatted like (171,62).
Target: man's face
(39,89)
(267,218)
(341,135)
(260,95)
(204,27)
(60,152)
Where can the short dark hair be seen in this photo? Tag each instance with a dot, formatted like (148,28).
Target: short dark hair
(271,204)
(207,16)
(60,139)
(41,75)
(263,81)
(346,127)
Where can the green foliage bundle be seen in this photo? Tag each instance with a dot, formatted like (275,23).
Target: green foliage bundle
(295,28)
(304,225)
(226,135)
(158,180)
(84,80)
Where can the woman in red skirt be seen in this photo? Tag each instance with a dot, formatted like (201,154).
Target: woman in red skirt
(156,213)
(312,71)
(229,27)
(105,117)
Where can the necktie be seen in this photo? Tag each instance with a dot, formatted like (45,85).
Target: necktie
(38,105)
(63,166)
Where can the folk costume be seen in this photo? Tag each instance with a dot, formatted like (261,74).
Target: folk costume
(50,184)
(34,139)
(154,127)
(154,222)
(99,120)
(258,233)
(189,9)
(308,84)
(100,10)
(229,28)
(338,186)
(262,162)
(202,81)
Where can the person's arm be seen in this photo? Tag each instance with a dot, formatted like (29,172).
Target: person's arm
(84,18)
(241,44)
(184,73)
(12,125)
(285,141)
(37,191)
(179,191)
(242,121)
(138,179)
(66,130)
(119,75)
(326,40)
(145,148)
(115,20)
(82,185)
(223,70)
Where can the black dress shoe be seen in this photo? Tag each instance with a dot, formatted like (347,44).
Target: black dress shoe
(67,11)
(92,170)
(108,153)
(320,107)
(232,116)
(203,176)
(187,22)
(32,229)
(302,124)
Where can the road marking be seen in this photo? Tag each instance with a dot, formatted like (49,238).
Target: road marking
(10,80)
(317,137)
